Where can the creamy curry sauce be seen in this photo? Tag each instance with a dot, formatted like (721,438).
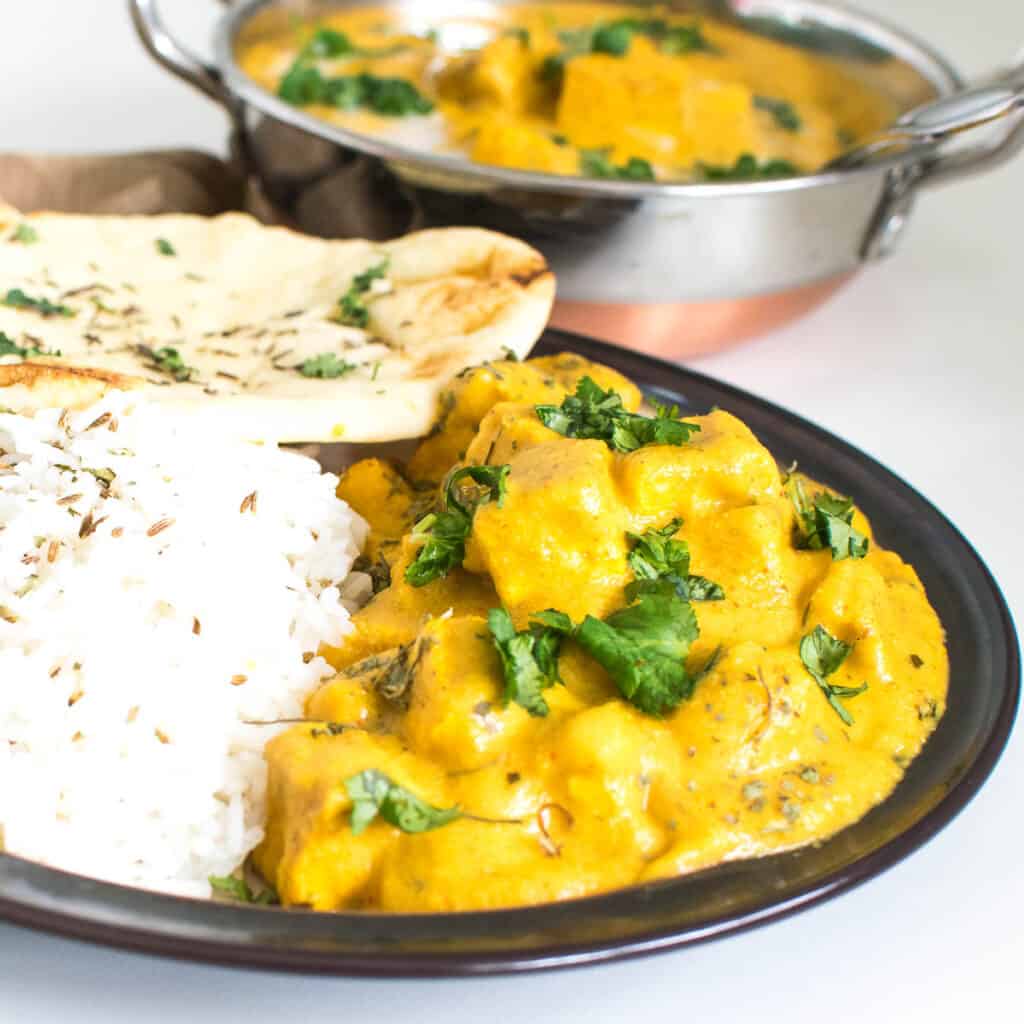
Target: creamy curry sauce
(516,804)
(600,90)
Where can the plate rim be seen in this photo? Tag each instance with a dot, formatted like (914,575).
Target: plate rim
(30,909)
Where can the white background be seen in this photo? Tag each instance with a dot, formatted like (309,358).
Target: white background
(918,363)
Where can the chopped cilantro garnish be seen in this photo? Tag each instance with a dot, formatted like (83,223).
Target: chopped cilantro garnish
(552,69)
(239,889)
(331,44)
(328,42)
(827,523)
(529,658)
(167,360)
(25,233)
(304,84)
(643,647)
(165,248)
(374,794)
(686,39)
(446,531)
(657,555)
(17,299)
(598,414)
(700,588)
(747,168)
(615,38)
(352,311)
(10,348)
(594,163)
(822,654)
(783,111)
(326,366)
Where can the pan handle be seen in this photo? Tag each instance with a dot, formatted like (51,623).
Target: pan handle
(1000,148)
(166,50)
(1005,89)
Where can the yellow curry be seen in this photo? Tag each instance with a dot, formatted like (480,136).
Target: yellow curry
(607,647)
(601,90)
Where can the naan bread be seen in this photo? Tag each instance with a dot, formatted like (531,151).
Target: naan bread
(244,306)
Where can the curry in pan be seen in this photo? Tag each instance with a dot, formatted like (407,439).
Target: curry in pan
(600,90)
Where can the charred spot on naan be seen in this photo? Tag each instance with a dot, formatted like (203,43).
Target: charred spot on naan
(29,386)
(438,363)
(522,268)
(464,304)
(460,305)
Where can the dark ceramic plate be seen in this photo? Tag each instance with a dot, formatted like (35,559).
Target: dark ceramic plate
(984,689)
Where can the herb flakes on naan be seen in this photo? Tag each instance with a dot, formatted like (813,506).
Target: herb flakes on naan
(269,334)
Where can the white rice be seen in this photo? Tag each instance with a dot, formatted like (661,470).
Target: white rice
(130,663)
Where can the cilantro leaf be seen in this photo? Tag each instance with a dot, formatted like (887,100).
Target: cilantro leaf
(782,111)
(657,555)
(822,654)
(748,168)
(167,360)
(594,163)
(529,658)
(700,588)
(25,233)
(165,248)
(362,282)
(552,70)
(444,549)
(392,97)
(686,39)
(303,85)
(238,889)
(597,414)
(826,523)
(328,42)
(326,366)
(613,38)
(643,648)
(352,310)
(446,531)
(373,793)
(554,620)
(17,299)
(493,480)
(10,348)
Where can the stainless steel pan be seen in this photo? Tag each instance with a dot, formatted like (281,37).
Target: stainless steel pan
(668,268)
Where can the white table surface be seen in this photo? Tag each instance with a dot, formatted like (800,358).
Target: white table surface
(918,363)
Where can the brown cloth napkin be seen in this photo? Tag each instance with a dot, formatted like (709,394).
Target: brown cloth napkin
(174,181)
(334,201)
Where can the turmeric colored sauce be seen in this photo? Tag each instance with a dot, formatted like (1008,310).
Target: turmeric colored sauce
(594,791)
(594,89)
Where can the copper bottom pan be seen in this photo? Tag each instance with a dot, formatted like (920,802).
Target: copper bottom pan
(676,330)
